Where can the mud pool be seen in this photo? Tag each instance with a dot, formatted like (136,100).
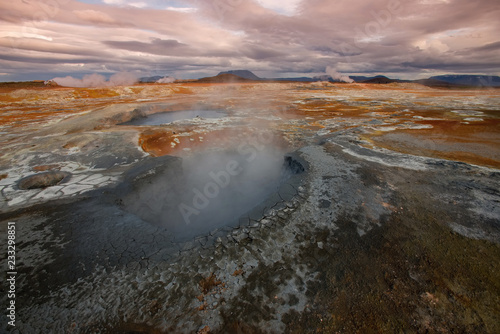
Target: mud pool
(210,191)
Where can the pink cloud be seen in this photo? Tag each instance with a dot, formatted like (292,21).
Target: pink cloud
(94,16)
(354,35)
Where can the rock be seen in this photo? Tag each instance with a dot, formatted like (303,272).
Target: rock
(282,215)
(240,237)
(43,180)
(203,330)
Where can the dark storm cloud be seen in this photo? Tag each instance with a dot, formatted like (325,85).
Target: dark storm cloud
(157,47)
(489,47)
(259,52)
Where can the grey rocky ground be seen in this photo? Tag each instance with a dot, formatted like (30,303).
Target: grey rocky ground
(362,240)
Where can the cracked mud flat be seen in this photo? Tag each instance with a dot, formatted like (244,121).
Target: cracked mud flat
(393,225)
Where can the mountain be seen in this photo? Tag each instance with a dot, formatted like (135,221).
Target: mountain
(437,83)
(242,74)
(359,78)
(223,78)
(150,79)
(469,80)
(324,77)
(380,79)
(440,81)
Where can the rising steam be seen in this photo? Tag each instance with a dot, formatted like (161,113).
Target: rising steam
(166,80)
(337,76)
(97,80)
(213,190)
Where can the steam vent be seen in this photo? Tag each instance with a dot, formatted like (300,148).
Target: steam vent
(251,207)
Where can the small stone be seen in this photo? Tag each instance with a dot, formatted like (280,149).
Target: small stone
(203,330)
(240,237)
(282,215)
(221,264)
(320,245)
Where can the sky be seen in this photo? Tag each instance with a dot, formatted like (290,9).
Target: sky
(42,39)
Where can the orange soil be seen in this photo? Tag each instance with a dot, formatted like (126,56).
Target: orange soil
(27,104)
(450,139)
(159,142)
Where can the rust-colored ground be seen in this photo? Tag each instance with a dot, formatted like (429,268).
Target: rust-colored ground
(330,107)
(160,142)
(471,142)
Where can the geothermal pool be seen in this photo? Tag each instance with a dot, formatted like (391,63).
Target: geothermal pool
(211,191)
(172,116)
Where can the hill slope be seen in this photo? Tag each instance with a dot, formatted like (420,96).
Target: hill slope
(242,74)
(469,80)
(223,78)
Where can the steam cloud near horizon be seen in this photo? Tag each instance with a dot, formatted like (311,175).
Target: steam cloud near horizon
(97,80)
(336,75)
(166,80)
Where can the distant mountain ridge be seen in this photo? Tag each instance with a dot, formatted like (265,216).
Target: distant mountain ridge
(469,80)
(380,79)
(223,78)
(444,81)
(150,79)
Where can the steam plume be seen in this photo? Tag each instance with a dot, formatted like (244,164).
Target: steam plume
(166,80)
(97,80)
(337,76)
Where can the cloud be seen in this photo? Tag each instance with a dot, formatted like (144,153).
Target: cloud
(114,2)
(94,16)
(283,7)
(271,36)
(260,52)
(488,47)
(156,46)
